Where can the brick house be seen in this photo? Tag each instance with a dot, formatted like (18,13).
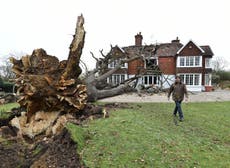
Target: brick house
(161,62)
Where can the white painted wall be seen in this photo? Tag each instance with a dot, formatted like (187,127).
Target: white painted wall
(198,88)
(167,80)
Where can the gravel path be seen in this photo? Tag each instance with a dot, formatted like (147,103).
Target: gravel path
(218,95)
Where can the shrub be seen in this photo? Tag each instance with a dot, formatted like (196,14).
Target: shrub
(6,86)
(224,75)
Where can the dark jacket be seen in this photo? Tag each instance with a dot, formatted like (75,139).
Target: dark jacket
(178,91)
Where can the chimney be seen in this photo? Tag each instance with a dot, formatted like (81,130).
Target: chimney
(138,39)
(176,40)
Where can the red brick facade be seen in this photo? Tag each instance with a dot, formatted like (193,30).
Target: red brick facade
(167,65)
(134,67)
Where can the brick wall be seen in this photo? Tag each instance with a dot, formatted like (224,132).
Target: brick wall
(135,66)
(167,65)
(190,70)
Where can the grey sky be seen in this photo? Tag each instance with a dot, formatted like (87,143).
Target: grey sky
(48,24)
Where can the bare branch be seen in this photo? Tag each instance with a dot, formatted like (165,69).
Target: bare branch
(94,56)
(85,66)
(103,55)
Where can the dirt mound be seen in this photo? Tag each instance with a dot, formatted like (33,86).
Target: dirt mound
(42,151)
(60,151)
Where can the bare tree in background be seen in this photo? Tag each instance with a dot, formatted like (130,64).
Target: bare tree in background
(220,64)
(6,66)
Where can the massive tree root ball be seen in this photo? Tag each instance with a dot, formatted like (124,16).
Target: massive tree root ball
(48,87)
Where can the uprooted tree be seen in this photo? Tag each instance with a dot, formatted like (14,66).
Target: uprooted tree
(48,87)
(96,80)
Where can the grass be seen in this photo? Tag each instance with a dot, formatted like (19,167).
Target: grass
(146,136)
(6,108)
(77,134)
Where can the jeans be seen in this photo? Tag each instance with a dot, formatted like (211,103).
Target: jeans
(178,108)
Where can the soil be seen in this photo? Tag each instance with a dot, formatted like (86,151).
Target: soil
(59,151)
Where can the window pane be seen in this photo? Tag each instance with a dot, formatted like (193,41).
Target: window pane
(181,61)
(146,80)
(182,78)
(114,79)
(150,80)
(110,79)
(118,79)
(196,80)
(190,79)
(191,61)
(122,78)
(207,62)
(197,61)
(155,79)
(207,79)
(187,61)
(113,64)
(187,79)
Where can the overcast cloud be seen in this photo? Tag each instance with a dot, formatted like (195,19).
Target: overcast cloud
(49,24)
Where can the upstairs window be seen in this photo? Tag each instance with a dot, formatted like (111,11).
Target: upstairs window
(150,63)
(197,60)
(207,62)
(116,62)
(189,61)
(182,61)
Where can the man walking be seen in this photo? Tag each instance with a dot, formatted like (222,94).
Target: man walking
(178,90)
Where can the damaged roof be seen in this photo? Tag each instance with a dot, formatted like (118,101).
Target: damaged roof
(158,50)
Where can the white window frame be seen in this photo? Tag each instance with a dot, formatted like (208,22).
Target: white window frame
(148,79)
(116,79)
(189,61)
(208,79)
(182,61)
(189,79)
(207,62)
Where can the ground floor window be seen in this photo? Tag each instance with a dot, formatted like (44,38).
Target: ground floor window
(150,79)
(207,80)
(116,79)
(191,79)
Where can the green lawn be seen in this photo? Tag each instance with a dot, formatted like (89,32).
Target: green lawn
(146,136)
(6,108)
